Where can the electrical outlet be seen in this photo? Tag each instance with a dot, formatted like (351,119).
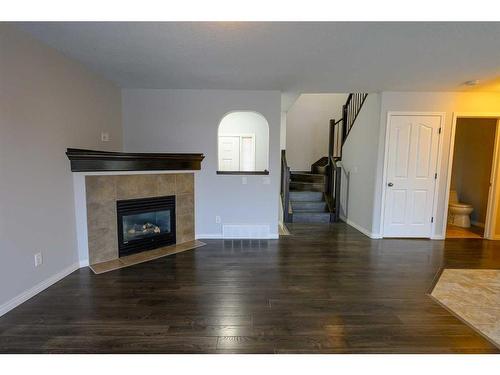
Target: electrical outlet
(217,219)
(104,137)
(244,181)
(38,259)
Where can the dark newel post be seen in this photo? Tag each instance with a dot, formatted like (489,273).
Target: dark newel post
(282,172)
(344,124)
(285,187)
(338,172)
(331,140)
(287,194)
(331,143)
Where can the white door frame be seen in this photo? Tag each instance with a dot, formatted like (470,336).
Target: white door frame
(442,115)
(492,195)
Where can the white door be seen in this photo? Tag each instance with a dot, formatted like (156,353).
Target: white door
(229,153)
(247,155)
(411,175)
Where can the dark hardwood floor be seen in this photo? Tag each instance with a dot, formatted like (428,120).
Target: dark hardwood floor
(324,289)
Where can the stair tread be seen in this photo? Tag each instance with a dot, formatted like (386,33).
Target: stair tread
(306,182)
(310,202)
(311,213)
(306,196)
(307,186)
(311,217)
(305,192)
(308,173)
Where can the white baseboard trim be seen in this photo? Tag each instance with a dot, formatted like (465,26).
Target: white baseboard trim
(27,294)
(221,237)
(366,232)
(83,263)
(438,237)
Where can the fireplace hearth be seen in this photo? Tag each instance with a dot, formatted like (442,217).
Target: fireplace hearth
(145,224)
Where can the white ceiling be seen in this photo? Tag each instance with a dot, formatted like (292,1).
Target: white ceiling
(290,56)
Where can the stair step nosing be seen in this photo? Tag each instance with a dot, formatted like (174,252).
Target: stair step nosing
(311,214)
(307,174)
(306,183)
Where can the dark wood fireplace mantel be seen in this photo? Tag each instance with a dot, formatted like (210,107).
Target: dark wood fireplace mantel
(99,161)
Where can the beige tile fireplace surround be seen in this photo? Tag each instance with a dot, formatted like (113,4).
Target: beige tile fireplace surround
(102,192)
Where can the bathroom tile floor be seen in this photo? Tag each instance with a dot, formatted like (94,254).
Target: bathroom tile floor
(452,231)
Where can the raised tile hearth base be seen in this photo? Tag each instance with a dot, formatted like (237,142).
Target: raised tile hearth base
(145,256)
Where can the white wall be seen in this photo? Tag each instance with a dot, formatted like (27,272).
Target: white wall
(308,126)
(283,131)
(47,103)
(187,121)
(447,102)
(359,160)
(244,123)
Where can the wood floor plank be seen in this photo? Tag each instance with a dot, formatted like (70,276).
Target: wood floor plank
(323,289)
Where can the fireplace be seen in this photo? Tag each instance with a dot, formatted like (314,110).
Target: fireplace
(145,224)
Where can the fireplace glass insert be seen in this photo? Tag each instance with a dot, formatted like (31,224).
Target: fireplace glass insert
(145,224)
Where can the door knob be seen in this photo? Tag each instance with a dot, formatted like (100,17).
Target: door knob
(390,184)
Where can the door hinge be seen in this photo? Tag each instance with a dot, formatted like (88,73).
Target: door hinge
(435,176)
(432,219)
(439,131)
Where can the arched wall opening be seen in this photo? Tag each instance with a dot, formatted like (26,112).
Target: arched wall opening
(243,142)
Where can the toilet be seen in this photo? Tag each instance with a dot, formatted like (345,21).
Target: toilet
(458,213)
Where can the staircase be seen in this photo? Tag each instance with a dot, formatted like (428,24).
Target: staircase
(307,197)
(313,197)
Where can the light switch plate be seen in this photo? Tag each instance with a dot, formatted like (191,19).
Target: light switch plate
(38,259)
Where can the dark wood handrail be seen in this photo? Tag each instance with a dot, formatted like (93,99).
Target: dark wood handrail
(333,173)
(350,112)
(285,188)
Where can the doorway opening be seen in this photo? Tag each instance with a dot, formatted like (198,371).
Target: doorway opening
(471,203)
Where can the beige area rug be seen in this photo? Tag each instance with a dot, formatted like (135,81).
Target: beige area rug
(474,296)
(145,256)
